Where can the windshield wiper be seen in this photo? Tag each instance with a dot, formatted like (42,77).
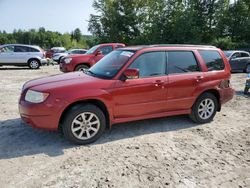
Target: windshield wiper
(91,73)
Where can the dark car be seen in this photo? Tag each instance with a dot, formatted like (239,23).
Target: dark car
(239,60)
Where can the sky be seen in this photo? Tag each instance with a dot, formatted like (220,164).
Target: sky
(54,15)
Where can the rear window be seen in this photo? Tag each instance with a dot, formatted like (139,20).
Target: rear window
(180,62)
(212,59)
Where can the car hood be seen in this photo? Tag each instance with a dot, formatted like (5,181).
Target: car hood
(60,80)
(80,55)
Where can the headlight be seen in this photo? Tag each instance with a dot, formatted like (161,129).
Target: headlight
(35,96)
(67,60)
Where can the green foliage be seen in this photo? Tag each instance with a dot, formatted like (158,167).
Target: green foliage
(45,39)
(172,21)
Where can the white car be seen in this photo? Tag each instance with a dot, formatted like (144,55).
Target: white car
(22,55)
(58,56)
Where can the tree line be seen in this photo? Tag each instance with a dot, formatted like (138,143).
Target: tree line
(223,23)
(47,39)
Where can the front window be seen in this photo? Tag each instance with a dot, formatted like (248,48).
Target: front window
(109,66)
(150,64)
(93,49)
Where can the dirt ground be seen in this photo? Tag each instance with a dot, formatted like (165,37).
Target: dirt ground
(165,152)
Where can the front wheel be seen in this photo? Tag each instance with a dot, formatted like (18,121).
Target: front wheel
(204,109)
(84,124)
(82,68)
(34,64)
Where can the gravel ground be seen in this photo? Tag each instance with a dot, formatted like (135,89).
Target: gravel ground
(165,152)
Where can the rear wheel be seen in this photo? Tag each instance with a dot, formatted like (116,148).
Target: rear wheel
(84,124)
(34,64)
(204,109)
(82,68)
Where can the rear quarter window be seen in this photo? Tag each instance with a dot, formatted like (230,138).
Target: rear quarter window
(212,59)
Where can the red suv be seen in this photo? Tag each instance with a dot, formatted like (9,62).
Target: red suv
(130,84)
(82,62)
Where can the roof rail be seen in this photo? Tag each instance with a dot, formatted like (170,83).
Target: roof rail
(182,45)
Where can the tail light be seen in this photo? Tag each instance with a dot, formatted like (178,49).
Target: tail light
(225,84)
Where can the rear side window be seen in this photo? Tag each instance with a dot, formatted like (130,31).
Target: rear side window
(33,50)
(182,62)
(21,49)
(244,54)
(212,59)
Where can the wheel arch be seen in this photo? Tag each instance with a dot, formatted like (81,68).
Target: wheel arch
(81,64)
(215,93)
(35,58)
(100,104)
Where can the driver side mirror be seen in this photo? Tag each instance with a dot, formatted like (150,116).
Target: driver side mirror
(131,73)
(99,53)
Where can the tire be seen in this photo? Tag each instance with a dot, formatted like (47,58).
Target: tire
(34,64)
(246,90)
(204,109)
(59,60)
(81,67)
(247,70)
(84,124)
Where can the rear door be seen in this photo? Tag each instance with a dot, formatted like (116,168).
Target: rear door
(21,54)
(185,78)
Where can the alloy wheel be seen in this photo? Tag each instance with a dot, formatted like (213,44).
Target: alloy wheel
(206,109)
(85,126)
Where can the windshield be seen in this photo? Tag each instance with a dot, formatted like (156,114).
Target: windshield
(108,66)
(92,50)
(228,53)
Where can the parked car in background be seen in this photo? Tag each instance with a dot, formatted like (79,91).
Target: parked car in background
(22,55)
(132,83)
(239,60)
(52,51)
(58,56)
(83,62)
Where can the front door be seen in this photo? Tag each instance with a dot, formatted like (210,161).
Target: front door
(104,51)
(7,55)
(145,95)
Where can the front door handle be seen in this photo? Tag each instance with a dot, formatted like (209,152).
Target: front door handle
(199,78)
(159,83)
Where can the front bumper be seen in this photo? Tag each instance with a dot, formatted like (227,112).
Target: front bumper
(41,116)
(65,67)
(44,61)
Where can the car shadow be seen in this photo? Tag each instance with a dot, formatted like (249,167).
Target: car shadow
(241,93)
(18,139)
(15,68)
